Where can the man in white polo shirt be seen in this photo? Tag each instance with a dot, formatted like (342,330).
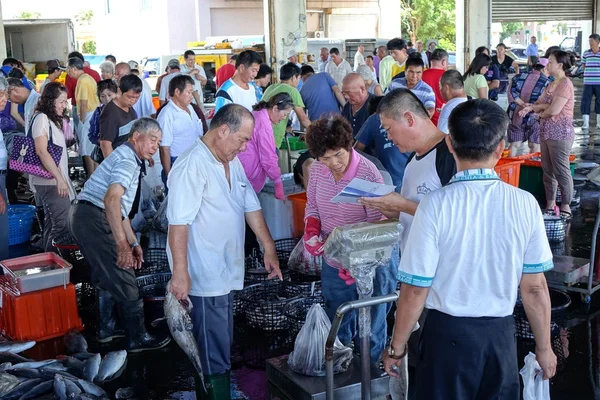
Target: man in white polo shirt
(471,246)
(179,122)
(209,201)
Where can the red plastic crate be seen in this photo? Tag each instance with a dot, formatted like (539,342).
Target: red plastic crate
(40,315)
(527,158)
(509,171)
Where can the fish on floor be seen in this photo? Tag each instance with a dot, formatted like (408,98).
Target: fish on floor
(75,342)
(111,364)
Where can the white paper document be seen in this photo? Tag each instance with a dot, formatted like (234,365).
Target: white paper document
(358,188)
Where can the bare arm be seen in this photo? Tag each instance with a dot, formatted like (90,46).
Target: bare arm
(378,91)
(82,107)
(165,159)
(516,67)
(338,95)
(558,103)
(106,147)
(494,84)
(41,149)
(14,112)
(482,92)
(178,243)
(256,222)
(302,117)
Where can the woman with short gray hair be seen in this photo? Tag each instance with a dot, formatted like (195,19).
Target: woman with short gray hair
(3,170)
(107,70)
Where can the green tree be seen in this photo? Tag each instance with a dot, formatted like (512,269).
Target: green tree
(562,29)
(85,17)
(28,15)
(89,47)
(509,28)
(430,19)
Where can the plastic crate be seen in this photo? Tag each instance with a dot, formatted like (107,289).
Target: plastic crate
(155,262)
(40,315)
(556,227)
(264,302)
(509,171)
(20,221)
(295,144)
(559,302)
(284,248)
(298,201)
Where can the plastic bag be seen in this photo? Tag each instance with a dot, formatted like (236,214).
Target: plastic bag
(302,261)
(308,357)
(160,221)
(534,387)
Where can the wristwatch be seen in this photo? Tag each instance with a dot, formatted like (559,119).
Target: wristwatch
(134,245)
(392,354)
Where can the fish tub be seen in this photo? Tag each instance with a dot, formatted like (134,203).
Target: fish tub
(35,272)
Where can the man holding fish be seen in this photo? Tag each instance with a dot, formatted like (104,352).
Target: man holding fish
(209,199)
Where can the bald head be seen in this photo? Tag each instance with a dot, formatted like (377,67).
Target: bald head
(354,89)
(122,69)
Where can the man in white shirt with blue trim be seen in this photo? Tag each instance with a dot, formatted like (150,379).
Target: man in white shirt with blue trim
(472,244)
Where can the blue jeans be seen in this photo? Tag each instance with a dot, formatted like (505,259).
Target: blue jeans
(590,91)
(164,176)
(336,292)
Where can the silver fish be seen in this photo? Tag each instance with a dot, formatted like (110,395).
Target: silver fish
(21,389)
(38,390)
(28,373)
(16,347)
(91,366)
(180,325)
(111,364)
(75,342)
(6,356)
(34,364)
(124,393)
(60,388)
(90,388)
(83,356)
(71,362)
(5,365)
(7,383)
(72,389)
(51,373)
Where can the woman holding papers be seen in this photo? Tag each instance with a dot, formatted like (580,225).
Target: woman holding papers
(330,140)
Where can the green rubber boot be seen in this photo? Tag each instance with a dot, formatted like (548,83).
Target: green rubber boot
(218,387)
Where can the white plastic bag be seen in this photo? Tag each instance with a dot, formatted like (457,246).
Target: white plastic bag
(534,386)
(308,357)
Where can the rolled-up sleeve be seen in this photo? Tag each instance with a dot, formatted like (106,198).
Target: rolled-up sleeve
(312,210)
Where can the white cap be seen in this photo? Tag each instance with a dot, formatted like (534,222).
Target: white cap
(292,53)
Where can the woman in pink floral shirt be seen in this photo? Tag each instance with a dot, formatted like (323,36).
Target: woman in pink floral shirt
(555,110)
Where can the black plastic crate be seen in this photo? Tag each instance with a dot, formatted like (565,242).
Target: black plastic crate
(155,262)
(264,302)
(559,302)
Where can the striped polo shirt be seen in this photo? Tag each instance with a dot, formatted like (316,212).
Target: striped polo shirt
(123,167)
(591,74)
(322,187)
(422,90)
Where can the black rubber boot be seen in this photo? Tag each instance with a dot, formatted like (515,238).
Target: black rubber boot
(218,387)
(138,338)
(108,324)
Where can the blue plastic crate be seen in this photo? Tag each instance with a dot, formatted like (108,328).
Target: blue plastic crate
(20,221)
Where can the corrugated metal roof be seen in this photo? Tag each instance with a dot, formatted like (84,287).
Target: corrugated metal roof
(541,10)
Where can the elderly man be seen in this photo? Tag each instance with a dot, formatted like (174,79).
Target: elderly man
(292,57)
(99,221)
(429,167)
(432,76)
(238,89)
(179,122)
(210,189)
(54,71)
(452,89)
(323,59)
(144,106)
(3,170)
(19,94)
(289,77)
(445,268)
(359,57)
(338,68)
(414,83)
(174,70)
(198,75)
(321,95)
(118,116)
(87,101)
(423,53)
(356,110)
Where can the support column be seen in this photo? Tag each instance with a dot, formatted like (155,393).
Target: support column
(473,29)
(390,19)
(285,29)
(2,37)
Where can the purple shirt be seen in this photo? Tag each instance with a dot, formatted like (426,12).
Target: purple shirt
(376,61)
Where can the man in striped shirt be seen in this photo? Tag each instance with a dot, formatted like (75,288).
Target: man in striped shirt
(591,80)
(414,83)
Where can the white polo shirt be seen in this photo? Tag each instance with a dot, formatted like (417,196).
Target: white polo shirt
(471,241)
(201,198)
(164,86)
(180,128)
(424,174)
(29,107)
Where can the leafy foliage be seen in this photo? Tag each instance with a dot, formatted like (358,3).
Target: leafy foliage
(89,47)
(509,28)
(430,19)
(28,15)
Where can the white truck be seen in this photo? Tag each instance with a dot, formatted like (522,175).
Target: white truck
(39,40)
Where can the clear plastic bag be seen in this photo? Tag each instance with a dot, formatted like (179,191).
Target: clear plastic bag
(534,386)
(302,261)
(160,221)
(308,357)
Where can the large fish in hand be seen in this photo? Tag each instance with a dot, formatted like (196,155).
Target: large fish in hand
(179,320)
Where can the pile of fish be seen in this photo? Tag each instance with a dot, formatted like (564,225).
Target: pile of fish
(76,376)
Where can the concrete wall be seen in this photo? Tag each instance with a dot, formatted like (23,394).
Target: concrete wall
(2,37)
(239,26)
(389,19)
(181,23)
(40,42)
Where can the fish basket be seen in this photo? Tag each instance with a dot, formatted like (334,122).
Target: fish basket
(157,240)
(559,302)
(66,247)
(153,288)
(296,310)
(556,227)
(264,302)
(20,222)
(238,304)
(310,284)
(284,248)
(256,275)
(155,262)
(574,201)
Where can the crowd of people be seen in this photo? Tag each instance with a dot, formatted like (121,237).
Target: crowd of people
(398,116)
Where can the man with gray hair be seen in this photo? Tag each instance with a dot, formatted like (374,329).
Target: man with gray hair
(3,170)
(323,59)
(100,222)
(209,189)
